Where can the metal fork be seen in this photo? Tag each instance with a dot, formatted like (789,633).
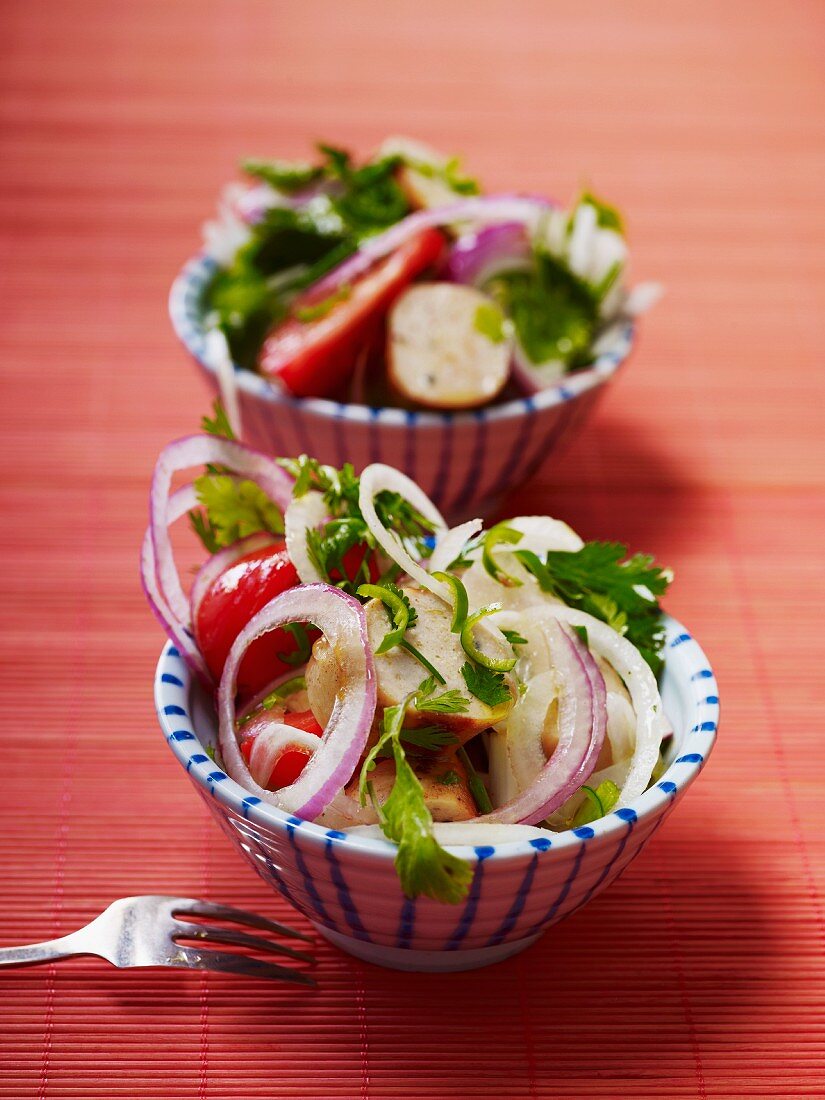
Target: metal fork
(143,931)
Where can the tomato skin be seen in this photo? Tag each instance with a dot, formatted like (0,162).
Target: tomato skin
(288,767)
(228,605)
(239,593)
(304,720)
(314,358)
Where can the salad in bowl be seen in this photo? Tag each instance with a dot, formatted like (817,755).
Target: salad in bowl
(398,282)
(388,677)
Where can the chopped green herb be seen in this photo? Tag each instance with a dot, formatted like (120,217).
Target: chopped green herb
(477,788)
(488,687)
(514,638)
(428,738)
(301,655)
(450,702)
(449,778)
(601,580)
(218,424)
(232,510)
(490,322)
(422,660)
(582,633)
(283,175)
(607,217)
(423,866)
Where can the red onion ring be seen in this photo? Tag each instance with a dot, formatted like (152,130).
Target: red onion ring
(342,620)
(179,503)
(477,257)
(495,208)
(199,450)
(579,742)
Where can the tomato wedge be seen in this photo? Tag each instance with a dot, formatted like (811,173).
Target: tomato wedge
(315,356)
(241,591)
(228,605)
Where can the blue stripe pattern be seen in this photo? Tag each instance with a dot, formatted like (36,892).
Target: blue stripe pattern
(406,924)
(509,922)
(565,890)
(344,896)
(471,905)
(292,824)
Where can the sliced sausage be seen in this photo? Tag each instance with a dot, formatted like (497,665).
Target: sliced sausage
(446,347)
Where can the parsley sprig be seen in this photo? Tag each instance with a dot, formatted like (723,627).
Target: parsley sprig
(347,528)
(423,866)
(601,580)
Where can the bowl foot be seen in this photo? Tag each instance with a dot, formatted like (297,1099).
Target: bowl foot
(398,958)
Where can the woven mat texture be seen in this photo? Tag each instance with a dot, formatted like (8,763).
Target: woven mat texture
(700,973)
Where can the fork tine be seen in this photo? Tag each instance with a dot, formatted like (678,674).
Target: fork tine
(225,962)
(188,931)
(195,907)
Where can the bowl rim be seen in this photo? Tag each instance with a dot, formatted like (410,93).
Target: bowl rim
(684,659)
(186,316)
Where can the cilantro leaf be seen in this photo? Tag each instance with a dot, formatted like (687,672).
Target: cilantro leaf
(402,614)
(423,866)
(429,738)
(218,424)
(233,510)
(283,175)
(601,580)
(487,686)
(449,702)
(513,637)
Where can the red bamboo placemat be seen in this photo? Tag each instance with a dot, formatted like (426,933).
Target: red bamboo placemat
(701,972)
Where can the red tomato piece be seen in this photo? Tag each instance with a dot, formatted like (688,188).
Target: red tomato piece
(304,720)
(289,765)
(314,357)
(228,605)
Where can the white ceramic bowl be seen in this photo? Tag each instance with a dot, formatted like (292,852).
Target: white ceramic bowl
(347,885)
(466,462)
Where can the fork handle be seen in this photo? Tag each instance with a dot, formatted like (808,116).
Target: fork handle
(48,951)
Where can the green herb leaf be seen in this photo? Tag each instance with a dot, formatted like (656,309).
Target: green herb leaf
(601,580)
(233,510)
(218,424)
(283,175)
(607,217)
(449,702)
(488,687)
(477,788)
(428,738)
(423,866)
(489,321)
(301,655)
(514,638)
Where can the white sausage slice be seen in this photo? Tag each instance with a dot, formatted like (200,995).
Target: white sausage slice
(440,351)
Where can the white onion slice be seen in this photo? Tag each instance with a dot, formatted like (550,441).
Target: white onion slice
(378,478)
(270,741)
(341,619)
(578,731)
(450,543)
(304,514)
(199,450)
(640,683)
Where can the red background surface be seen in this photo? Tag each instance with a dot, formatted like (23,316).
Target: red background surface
(701,972)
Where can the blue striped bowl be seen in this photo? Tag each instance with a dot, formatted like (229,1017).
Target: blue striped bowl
(347,886)
(465,461)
